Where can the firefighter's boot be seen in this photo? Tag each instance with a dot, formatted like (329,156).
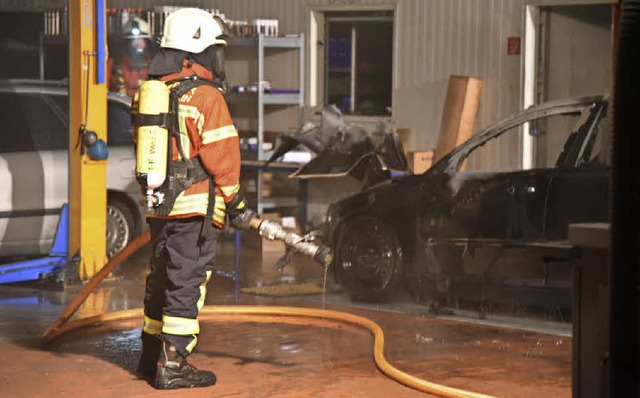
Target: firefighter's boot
(151,345)
(175,372)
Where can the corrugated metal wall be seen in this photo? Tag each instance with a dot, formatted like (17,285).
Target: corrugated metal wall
(434,39)
(438,38)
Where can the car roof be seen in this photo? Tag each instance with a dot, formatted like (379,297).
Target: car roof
(60,87)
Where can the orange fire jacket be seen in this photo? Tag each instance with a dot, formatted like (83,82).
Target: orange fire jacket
(207,131)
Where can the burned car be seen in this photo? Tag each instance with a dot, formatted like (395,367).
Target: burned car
(467,233)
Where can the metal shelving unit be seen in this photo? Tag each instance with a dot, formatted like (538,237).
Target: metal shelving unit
(266,99)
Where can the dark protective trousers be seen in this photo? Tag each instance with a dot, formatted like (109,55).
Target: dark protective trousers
(176,286)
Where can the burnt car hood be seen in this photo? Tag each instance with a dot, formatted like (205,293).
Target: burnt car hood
(344,149)
(388,155)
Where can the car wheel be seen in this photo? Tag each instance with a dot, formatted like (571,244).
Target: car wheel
(120,226)
(368,259)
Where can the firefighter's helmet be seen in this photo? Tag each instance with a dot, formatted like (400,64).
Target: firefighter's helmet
(192,30)
(136,28)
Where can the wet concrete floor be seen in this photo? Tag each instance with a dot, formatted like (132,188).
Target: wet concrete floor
(269,356)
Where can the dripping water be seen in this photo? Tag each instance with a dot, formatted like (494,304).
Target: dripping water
(324,287)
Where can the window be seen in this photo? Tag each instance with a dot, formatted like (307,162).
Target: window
(359,59)
(30,124)
(119,125)
(118,121)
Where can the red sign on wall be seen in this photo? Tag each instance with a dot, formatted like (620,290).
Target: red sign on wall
(513,46)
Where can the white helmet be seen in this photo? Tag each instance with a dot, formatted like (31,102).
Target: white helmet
(191,30)
(136,28)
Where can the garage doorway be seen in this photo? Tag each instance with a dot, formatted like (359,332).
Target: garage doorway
(568,54)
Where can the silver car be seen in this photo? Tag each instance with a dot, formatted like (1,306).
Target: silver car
(34,117)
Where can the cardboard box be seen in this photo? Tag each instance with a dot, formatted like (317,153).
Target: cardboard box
(248,183)
(290,224)
(419,161)
(404,135)
(459,113)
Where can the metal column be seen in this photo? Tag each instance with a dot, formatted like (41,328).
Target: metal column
(88,102)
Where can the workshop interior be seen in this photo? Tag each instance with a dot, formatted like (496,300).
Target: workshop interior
(363,198)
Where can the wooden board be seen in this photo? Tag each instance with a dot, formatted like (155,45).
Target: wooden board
(459,113)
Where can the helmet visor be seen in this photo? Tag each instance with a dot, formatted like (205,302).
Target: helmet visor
(212,58)
(217,62)
(137,45)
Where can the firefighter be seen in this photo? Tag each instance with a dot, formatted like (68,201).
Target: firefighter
(129,66)
(183,237)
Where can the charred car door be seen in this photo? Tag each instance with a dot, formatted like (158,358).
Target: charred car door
(505,201)
(494,221)
(579,191)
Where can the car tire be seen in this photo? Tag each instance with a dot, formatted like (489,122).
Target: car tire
(120,226)
(368,259)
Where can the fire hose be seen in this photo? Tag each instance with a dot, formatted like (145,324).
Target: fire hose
(295,243)
(269,230)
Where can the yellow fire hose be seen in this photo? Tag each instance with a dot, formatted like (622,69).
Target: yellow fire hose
(62,325)
(378,351)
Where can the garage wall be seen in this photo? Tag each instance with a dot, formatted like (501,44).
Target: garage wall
(578,51)
(437,38)
(434,39)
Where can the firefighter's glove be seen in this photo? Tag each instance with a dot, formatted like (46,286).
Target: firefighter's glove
(242,220)
(240,214)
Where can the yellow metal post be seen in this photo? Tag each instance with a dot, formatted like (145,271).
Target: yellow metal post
(87,178)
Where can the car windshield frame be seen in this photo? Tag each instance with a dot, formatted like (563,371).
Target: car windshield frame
(452,162)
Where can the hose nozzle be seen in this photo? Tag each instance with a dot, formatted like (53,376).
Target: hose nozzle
(324,256)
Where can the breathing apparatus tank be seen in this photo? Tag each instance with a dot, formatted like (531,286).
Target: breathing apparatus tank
(152,142)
